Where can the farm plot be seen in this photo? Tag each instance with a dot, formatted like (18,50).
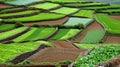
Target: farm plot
(113,39)
(9,51)
(11,10)
(38,17)
(111,25)
(20,2)
(10,33)
(84,13)
(35,34)
(76,21)
(4,6)
(65,1)
(112,11)
(52,22)
(97,56)
(56,55)
(102,7)
(5,27)
(18,13)
(64,34)
(46,6)
(84,5)
(65,10)
(93,36)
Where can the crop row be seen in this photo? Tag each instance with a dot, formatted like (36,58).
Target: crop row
(9,51)
(111,25)
(98,55)
(93,36)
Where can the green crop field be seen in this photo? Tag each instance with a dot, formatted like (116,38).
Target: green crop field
(38,17)
(84,13)
(10,33)
(79,33)
(93,36)
(10,9)
(110,10)
(111,25)
(65,10)
(75,21)
(46,6)
(84,5)
(18,13)
(9,51)
(63,34)
(5,27)
(35,33)
(98,55)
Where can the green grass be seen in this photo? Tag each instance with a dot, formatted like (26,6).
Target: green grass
(18,13)
(9,51)
(46,6)
(10,33)
(84,13)
(38,17)
(110,10)
(65,10)
(63,34)
(10,9)
(97,56)
(102,7)
(84,5)
(93,36)
(76,21)
(35,33)
(110,24)
(5,27)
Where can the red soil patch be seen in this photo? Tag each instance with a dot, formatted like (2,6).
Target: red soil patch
(56,55)
(63,44)
(113,39)
(53,22)
(93,26)
(4,6)
(116,17)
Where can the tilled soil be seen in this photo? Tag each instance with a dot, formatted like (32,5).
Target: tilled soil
(56,55)
(113,39)
(53,22)
(93,26)
(4,6)
(116,17)
(63,44)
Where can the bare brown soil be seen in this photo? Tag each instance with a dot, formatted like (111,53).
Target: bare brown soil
(113,39)
(63,44)
(93,26)
(53,22)
(56,55)
(116,17)
(4,6)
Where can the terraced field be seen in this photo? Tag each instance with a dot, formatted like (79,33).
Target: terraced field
(46,6)
(76,21)
(111,25)
(59,33)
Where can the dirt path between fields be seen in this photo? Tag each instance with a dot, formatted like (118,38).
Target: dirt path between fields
(63,44)
(93,26)
(113,39)
(53,22)
(4,6)
(116,17)
(56,55)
